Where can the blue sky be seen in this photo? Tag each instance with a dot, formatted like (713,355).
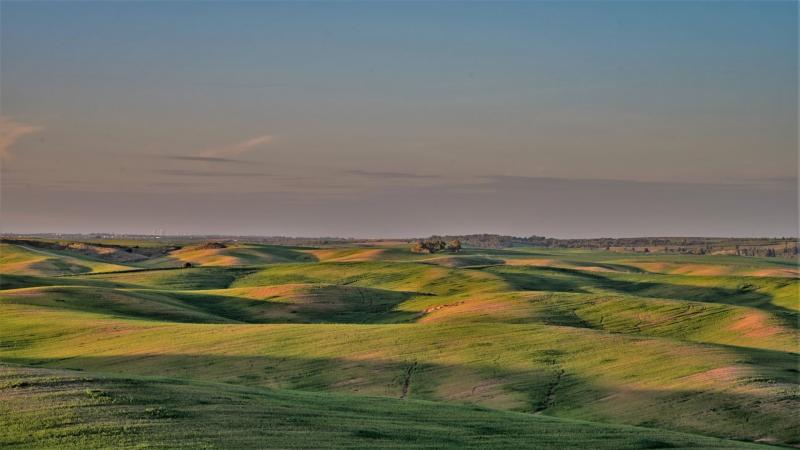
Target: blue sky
(332,108)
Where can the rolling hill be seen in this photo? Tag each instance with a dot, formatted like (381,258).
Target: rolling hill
(67,409)
(551,346)
(20,259)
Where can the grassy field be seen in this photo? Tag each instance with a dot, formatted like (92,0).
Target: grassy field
(33,261)
(93,411)
(375,346)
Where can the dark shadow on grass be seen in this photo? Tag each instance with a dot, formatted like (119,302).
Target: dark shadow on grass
(175,278)
(299,304)
(255,254)
(713,412)
(118,411)
(571,280)
(11,281)
(610,266)
(313,303)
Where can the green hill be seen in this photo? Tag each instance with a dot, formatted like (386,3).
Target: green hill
(534,346)
(66,409)
(18,259)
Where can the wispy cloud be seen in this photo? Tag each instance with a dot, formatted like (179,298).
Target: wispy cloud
(206,173)
(236,149)
(367,173)
(174,184)
(11,131)
(208,159)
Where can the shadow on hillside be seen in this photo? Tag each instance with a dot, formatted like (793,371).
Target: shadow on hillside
(572,280)
(546,388)
(313,303)
(614,267)
(175,412)
(213,277)
(537,279)
(13,281)
(279,304)
(232,256)
(55,266)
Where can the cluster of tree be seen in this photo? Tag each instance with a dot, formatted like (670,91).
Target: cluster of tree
(436,245)
(491,240)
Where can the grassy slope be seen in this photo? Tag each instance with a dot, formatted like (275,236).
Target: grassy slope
(16,259)
(64,409)
(192,278)
(706,354)
(14,281)
(776,295)
(711,265)
(684,320)
(232,255)
(463,261)
(666,383)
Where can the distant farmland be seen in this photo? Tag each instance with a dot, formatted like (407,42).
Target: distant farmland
(126,343)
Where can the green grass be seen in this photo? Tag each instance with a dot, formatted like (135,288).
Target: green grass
(465,261)
(777,295)
(189,278)
(17,259)
(399,276)
(283,304)
(13,281)
(659,262)
(65,409)
(231,255)
(704,389)
(410,344)
(627,314)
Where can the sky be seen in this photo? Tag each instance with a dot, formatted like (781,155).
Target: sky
(400,119)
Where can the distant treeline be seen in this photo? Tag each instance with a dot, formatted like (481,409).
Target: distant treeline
(768,247)
(765,247)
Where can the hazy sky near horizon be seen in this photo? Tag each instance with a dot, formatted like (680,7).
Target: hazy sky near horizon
(383,119)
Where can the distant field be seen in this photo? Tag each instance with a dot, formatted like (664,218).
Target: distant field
(253,345)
